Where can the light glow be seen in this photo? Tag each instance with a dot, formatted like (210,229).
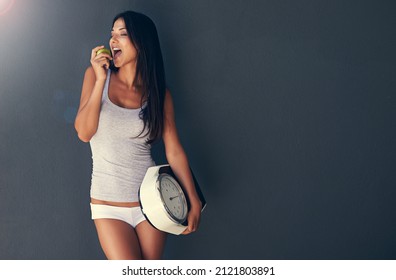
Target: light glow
(5,6)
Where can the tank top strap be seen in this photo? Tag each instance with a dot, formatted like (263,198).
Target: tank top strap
(106,87)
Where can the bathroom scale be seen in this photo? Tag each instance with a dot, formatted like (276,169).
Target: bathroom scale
(163,201)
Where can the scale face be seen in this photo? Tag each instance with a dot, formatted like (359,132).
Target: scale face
(173,198)
(163,200)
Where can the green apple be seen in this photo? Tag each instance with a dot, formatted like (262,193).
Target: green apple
(104,50)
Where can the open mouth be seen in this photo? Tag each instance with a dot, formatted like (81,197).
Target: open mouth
(117,52)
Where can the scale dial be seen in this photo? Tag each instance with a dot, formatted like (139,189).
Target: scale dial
(173,198)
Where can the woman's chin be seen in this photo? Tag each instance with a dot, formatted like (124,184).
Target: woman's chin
(119,63)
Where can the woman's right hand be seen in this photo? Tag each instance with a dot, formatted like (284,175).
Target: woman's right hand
(100,63)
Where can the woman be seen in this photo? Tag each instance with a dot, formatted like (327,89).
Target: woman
(124,108)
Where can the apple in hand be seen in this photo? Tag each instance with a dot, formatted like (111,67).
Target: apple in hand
(104,50)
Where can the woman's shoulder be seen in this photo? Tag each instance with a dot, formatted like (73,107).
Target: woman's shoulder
(89,74)
(167,93)
(168,103)
(168,96)
(89,71)
(89,77)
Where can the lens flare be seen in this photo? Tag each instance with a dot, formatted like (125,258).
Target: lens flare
(5,6)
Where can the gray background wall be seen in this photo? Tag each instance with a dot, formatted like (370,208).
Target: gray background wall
(286,110)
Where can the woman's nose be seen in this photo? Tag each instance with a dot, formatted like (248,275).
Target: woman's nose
(113,39)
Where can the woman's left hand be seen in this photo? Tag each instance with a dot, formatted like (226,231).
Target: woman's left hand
(193,217)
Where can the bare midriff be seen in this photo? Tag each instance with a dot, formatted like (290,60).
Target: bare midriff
(113,203)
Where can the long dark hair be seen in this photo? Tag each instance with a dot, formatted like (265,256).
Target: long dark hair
(150,73)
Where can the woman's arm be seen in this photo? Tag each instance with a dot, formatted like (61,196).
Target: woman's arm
(86,122)
(178,161)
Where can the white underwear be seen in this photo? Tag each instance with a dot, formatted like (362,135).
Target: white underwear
(130,215)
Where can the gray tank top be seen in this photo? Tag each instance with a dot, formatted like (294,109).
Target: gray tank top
(119,159)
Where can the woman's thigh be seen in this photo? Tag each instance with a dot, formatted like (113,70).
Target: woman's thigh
(118,239)
(152,241)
